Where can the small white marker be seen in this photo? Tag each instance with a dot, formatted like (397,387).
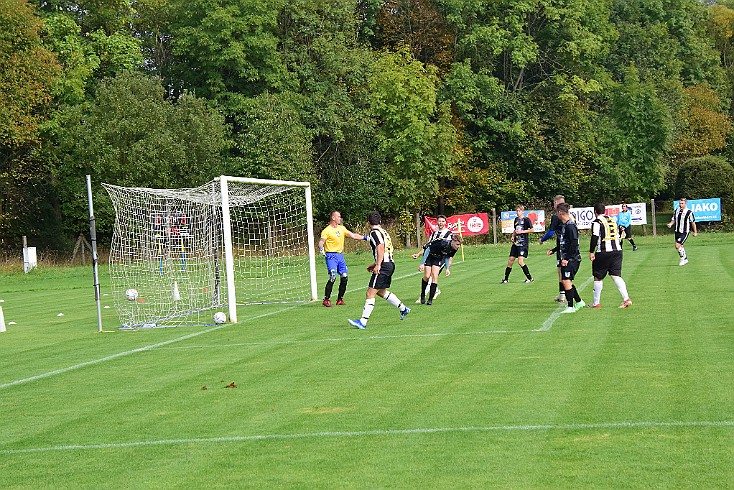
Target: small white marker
(60,314)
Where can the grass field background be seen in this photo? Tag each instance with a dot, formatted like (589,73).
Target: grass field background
(489,387)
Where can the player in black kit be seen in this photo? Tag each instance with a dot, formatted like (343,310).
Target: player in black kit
(519,250)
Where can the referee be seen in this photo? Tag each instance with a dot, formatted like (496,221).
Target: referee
(605,253)
(684,222)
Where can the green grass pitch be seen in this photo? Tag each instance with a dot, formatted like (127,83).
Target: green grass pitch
(489,387)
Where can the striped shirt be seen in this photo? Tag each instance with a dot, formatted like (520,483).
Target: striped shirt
(377,236)
(444,234)
(683,219)
(604,235)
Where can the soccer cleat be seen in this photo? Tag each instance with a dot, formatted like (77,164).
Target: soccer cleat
(561,298)
(403,313)
(596,306)
(438,291)
(634,249)
(504,281)
(340,302)
(357,324)
(528,281)
(579,305)
(418,301)
(569,309)
(326,302)
(626,303)
(683,262)
(429,302)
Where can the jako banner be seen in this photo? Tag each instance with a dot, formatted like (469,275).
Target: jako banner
(704,209)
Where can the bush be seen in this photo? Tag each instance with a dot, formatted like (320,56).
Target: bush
(707,177)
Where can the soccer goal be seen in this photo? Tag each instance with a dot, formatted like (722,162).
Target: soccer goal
(179,254)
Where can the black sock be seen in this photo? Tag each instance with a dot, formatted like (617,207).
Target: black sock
(507,272)
(327,289)
(342,287)
(575,294)
(526,271)
(561,289)
(632,242)
(569,297)
(424,285)
(432,291)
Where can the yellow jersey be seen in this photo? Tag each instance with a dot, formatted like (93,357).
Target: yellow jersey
(334,238)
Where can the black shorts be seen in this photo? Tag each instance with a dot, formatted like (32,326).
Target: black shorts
(681,237)
(606,263)
(625,231)
(433,260)
(568,272)
(518,251)
(383,280)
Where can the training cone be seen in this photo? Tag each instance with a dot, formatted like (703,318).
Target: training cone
(2,321)
(176,294)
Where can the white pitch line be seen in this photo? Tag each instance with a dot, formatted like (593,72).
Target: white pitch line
(367,433)
(548,323)
(129,352)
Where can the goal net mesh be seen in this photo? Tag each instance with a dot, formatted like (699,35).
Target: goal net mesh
(168,245)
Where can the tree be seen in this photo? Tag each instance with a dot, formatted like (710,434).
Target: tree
(707,177)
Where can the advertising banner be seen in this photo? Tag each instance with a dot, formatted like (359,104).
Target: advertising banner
(536,217)
(471,224)
(704,209)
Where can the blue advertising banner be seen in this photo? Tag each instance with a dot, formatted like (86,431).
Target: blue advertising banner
(704,209)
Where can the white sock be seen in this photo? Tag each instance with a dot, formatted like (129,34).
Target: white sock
(369,305)
(682,253)
(598,286)
(394,300)
(622,286)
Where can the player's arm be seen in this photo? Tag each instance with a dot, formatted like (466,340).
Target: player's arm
(321,245)
(380,255)
(547,235)
(693,225)
(356,236)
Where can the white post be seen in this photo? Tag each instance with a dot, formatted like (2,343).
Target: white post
(228,254)
(93,236)
(2,321)
(311,246)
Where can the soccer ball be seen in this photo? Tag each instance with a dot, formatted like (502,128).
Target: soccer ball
(131,294)
(220,317)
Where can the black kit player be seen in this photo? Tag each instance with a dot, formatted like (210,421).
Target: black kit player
(555,224)
(605,253)
(522,226)
(570,257)
(382,270)
(440,254)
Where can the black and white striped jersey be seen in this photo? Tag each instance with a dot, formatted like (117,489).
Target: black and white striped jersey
(683,219)
(605,235)
(444,234)
(377,236)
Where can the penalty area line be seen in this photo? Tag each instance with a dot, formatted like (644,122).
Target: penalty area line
(548,323)
(368,433)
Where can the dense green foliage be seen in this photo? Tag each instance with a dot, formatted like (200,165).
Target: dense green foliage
(405,105)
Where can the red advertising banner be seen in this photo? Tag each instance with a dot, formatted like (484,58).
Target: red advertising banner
(471,224)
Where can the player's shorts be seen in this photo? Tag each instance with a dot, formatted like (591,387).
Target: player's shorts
(625,231)
(434,261)
(568,272)
(335,261)
(681,237)
(383,280)
(518,251)
(606,263)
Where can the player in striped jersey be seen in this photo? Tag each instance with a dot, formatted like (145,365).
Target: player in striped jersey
(441,233)
(684,222)
(382,271)
(440,254)
(605,253)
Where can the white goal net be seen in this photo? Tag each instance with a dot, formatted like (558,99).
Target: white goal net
(179,254)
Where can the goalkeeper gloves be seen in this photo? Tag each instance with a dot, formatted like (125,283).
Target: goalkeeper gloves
(321,251)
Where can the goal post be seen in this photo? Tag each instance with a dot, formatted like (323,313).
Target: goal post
(181,253)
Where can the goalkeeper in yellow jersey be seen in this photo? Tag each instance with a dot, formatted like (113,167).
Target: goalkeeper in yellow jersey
(331,246)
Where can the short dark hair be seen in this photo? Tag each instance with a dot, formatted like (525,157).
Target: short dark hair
(374,218)
(563,207)
(599,208)
(440,216)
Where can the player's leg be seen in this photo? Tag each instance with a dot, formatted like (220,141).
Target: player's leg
(525,270)
(343,279)
(435,270)
(510,263)
(384,281)
(369,304)
(331,266)
(561,298)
